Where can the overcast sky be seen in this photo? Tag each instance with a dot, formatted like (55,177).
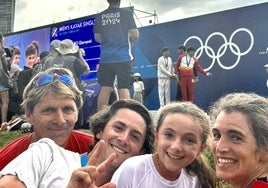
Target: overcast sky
(35,13)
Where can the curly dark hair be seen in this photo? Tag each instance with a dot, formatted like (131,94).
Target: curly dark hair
(98,121)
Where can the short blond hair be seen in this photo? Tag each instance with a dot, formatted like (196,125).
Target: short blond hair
(33,94)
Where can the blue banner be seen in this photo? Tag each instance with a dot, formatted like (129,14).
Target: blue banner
(232,45)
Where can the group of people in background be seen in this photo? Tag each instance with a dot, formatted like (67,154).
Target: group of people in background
(127,147)
(183,72)
(115,60)
(62,54)
(3,88)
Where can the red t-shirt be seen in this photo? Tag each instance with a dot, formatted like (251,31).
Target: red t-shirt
(261,183)
(78,141)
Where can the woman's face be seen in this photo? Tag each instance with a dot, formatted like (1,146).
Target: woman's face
(236,156)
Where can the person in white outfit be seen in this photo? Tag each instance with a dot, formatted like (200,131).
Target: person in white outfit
(165,73)
(138,87)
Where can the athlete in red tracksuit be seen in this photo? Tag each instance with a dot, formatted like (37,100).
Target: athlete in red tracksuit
(184,69)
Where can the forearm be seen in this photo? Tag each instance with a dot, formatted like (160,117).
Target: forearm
(133,35)
(84,62)
(97,37)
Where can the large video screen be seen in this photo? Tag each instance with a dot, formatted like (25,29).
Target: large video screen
(24,39)
(81,33)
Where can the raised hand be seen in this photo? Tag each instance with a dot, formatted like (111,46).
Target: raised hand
(208,74)
(85,177)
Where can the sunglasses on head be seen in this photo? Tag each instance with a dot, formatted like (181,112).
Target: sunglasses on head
(48,78)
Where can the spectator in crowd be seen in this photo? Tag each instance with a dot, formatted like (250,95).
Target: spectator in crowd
(15,61)
(66,59)
(126,129)
(138,87)
(14,103)
(43,55)
(115,29)
(164,74)
(27,72)
(38,67)
(54,44)
(184,67)
(4,91)
(182,131)
(51,102)
(36,45)
(240,139)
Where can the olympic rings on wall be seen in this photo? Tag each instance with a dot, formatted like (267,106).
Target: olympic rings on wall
(210,52)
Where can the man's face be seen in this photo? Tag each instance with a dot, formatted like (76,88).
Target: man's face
(53,117)
(16,59)
(180,51)
(191,53)
(166,53)
(31,60)
(124,135)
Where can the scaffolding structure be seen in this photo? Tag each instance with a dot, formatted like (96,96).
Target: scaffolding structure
(141,15)
(7,14)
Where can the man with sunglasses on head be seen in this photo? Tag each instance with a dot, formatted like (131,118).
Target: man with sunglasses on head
(51,102)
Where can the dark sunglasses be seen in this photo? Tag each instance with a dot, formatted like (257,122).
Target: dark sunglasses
(48,78)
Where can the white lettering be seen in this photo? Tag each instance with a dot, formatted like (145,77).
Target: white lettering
(64,28)
(78,25)
(111,18)
(110,21)
(85,42)
(88,23)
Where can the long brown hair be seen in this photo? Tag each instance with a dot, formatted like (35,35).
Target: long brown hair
(199,166)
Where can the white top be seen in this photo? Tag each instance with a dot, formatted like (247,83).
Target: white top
(165,67)
(140,172)
(267,83)
(14,68)
(44,164)
(138,86)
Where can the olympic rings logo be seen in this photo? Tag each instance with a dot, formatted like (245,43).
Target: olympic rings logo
(234,48)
